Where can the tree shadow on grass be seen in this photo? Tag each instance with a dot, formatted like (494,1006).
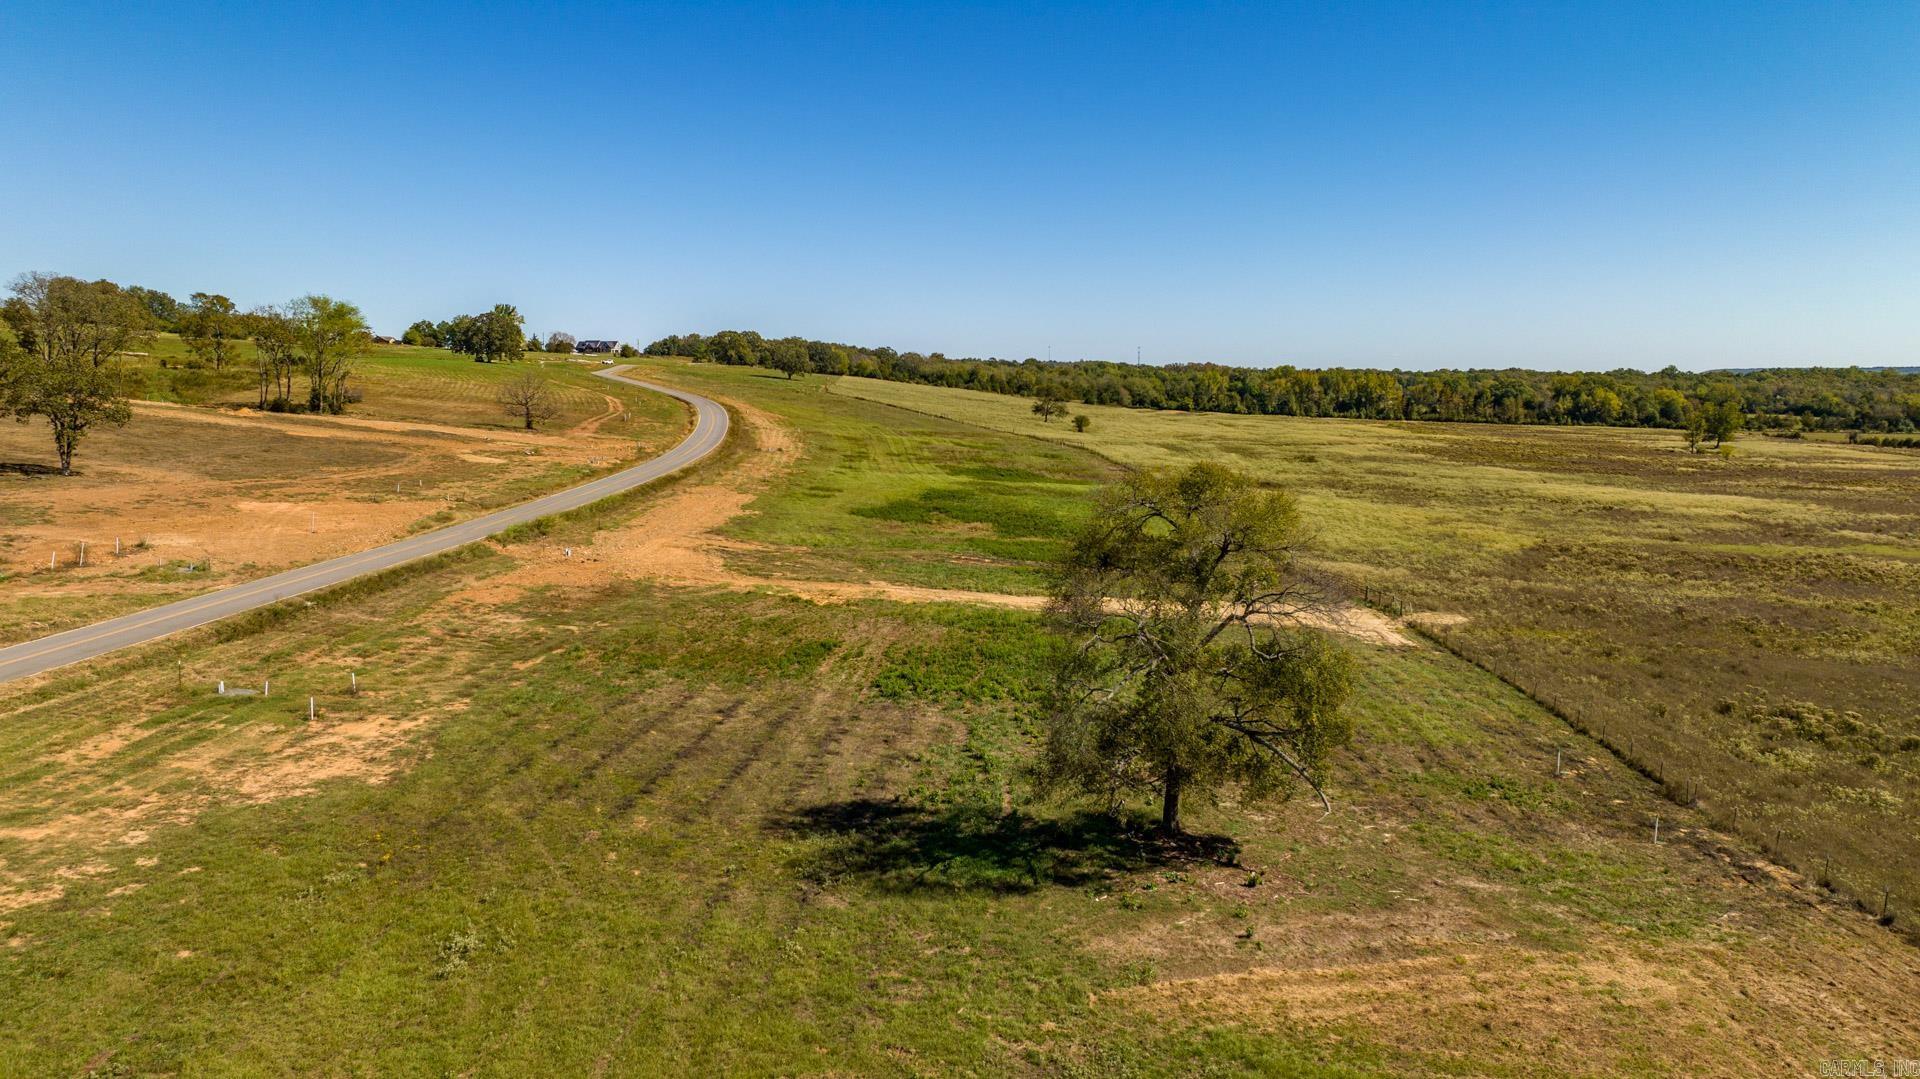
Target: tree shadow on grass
(27,468)
(900,847)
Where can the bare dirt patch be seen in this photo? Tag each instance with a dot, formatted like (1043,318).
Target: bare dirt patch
(26,897)
(363,749)
(88,808)
(184,499)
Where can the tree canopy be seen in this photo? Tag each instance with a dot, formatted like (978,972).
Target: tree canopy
(329,335)
(58,360)
(1188,668)
(789,357)
(490,336)
(1047,403)
(212,328)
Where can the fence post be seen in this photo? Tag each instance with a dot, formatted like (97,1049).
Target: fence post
(1656,829)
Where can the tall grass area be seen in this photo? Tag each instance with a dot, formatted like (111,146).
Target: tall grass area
(1744,629)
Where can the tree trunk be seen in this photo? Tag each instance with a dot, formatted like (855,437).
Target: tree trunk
(1170,801)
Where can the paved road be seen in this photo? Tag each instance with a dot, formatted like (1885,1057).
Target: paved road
(32,657)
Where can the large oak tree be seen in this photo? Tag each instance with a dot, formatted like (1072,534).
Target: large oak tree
(61,365)
(1190,668)
(212,328)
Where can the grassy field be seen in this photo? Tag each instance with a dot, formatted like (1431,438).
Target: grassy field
(1744,628)
(200,497)
(613,827)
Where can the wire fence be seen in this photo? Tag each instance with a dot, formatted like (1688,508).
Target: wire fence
(1654,759)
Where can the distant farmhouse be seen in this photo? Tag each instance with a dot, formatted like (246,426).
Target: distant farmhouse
(383,339)
(596,346)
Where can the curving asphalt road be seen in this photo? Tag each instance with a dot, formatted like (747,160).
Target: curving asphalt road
(85,642)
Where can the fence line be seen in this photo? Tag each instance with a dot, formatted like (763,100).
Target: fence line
(1681,791)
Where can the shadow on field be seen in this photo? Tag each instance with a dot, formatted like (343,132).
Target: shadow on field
(26,468)
(901,847)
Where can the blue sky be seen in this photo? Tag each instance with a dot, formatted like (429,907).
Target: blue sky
(1458,184)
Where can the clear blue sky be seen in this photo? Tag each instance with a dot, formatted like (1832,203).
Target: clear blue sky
(1453,184)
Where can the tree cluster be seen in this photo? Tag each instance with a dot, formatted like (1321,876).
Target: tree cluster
(1788,398)
(60,336)
(492,336)
(315,336)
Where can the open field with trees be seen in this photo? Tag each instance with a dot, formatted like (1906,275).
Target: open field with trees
(200,490)
(723,792)
(1742,628)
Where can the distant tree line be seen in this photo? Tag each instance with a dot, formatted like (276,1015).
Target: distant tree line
(1793,398)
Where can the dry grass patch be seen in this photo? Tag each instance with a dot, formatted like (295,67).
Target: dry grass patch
(198,499)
